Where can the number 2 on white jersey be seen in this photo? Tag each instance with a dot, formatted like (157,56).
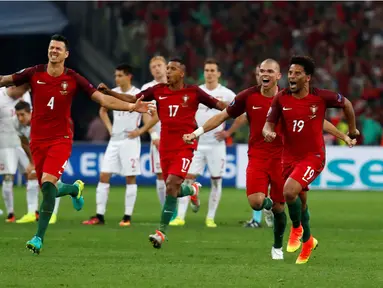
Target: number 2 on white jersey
(298,125)
(51,102)
(173,110)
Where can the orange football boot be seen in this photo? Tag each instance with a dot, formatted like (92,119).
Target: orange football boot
(294,239)
(307,248)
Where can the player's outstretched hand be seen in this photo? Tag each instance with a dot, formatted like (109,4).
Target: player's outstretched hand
(102,87)
(144,107)
(270,136)
(189,138)
(350,142)
(353,134)
(30,170)
(221,135)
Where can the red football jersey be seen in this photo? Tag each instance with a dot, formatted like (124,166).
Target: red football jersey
(176,111)
(302,121)
(52,100)
(256,107)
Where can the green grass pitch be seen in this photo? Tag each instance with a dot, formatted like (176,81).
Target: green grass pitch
(348,225)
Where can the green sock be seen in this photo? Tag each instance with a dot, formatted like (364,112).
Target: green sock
(295,212)
(306,224)
(279,228)
(186,190)
(66,189)
(267,203)
(46,209)
(167,212)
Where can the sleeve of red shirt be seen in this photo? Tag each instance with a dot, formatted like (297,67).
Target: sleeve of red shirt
(206,99)
(148,94)
(331,98)
(275,110)
(238,106)
(23,76)
(84,84)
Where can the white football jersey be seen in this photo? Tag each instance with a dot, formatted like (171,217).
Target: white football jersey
(8,134)
(21,129)
(204,113)
(124,121)
(157,127)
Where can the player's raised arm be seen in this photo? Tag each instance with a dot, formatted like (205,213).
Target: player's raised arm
(336,100)
(272,118)
(121,96)
(103,113)
(330,128)
(6,80)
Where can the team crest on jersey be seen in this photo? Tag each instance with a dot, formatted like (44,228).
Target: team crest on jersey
(185,98)
(314,109)
(64,86)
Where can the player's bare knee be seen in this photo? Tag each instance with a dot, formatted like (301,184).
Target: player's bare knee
(256,201)
(160,176)
(173,184)
(291,190)
(8,177)
(131,180)
(278,207)
(104,177)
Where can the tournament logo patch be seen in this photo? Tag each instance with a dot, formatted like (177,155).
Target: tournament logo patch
(232,103)
(339,98)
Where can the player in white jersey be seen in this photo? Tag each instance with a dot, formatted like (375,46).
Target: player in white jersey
(211,149)
(9,142)
(122,156)
(157,67)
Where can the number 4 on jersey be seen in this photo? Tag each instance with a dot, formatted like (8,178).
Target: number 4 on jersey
(51,102)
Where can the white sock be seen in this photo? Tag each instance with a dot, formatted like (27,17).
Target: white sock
(183,204)
(57,204)
(8,195)
(102,193)
(130,198)
(161,191)
(32,196)
(215,197)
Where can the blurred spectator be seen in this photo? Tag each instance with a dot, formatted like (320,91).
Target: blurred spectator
(97,131)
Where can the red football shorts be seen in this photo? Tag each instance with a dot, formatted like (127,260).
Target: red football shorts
(261,173)
(304,171)
(51,157)
(176,162)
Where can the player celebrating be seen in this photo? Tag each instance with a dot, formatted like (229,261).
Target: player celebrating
(177,104)
(211,149)
(9,143)
(157,67)
(122,155)
(301,111)
(54,87)
(264,167)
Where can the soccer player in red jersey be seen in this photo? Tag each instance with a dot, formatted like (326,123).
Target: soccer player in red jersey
(300,109)
(264,167)
(177,104)
(54,87)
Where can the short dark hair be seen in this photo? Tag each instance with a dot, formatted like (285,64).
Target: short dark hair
(306,62)
(212,61)
(61,38)
(177,59)
(22,105)
(126,68)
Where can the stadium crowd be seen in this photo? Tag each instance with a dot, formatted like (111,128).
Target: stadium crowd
(344,38)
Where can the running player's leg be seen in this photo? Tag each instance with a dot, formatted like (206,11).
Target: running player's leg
(51,160)
(156,168)
(32,193)
(175,170)
(303,173)
(276,194)
(110,165)
(216,162)
(196,168)
(130,168)
(8,167)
